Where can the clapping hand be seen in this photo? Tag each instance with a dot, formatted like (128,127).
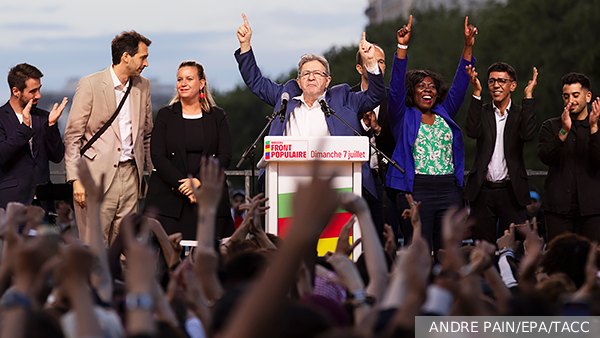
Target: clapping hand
(594,114)
(57,111)
(531,85)
(26,112)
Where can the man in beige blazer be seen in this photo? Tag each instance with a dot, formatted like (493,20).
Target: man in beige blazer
(118,156)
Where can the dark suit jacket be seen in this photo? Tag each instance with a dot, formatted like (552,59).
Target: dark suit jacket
(20,170)
(574,162)
(385,141)
(520,128)
(168,152)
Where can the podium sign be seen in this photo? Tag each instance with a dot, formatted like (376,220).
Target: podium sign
(289,163)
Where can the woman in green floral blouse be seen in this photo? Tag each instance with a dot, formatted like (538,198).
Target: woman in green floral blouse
(429,144)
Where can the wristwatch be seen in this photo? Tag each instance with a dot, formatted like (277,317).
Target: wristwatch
(141,301)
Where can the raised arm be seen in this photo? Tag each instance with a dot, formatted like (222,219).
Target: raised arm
(265,89)
(100,278)
(397,94)
(473,129)
(313,205)
(460,84)
(364,101)
(373,251)
(208,197)
(527,128)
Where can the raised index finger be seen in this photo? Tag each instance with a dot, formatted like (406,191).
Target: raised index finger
(245,19)
(409,22)
(466,22)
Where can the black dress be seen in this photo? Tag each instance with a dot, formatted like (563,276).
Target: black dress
(177,147)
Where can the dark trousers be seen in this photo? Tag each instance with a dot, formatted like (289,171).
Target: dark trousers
(494,209)
(376,205)
(436,193)
(573,222)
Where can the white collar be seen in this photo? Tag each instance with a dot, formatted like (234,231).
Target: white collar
(116,82)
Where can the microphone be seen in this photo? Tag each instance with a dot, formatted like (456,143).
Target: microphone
(324,106)
(285,97)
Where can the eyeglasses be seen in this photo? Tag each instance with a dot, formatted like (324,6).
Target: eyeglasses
(501,81)
(423,86)
(315,73)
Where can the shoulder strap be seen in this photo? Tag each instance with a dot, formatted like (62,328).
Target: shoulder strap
(108,123)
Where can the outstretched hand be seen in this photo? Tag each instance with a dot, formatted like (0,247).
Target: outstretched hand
(244,33)
(470,32)
(474,80)
(531,85)
(57,111)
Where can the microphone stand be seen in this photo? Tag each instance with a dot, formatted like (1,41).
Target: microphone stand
(249,153)
(329,111)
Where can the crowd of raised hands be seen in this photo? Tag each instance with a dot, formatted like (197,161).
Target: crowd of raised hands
(258,285)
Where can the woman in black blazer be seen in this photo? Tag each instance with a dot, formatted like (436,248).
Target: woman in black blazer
(190,128)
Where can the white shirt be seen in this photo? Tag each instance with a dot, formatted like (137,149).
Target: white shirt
(306,121)
(124,118)
(497,169)
(310,121)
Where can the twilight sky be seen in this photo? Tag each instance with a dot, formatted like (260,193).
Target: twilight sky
(68,39)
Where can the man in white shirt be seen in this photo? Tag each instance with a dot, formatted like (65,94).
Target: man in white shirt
(118,156)
(497,187)
(303,116)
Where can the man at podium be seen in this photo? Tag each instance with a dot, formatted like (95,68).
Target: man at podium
(309,92)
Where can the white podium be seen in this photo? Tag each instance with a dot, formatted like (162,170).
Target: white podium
(288,162)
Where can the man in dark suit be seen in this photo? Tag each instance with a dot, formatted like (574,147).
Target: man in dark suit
(29,137)
(570,146)
(375,125)
(497,187)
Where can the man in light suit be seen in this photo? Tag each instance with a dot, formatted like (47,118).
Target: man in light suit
(118,156)
(497,184)
(29,137)
(304,116)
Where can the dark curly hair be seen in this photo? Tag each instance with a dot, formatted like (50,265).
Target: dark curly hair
(414,77)
(568,254)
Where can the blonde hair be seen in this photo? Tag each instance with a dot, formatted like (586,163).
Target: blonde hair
(208,100)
